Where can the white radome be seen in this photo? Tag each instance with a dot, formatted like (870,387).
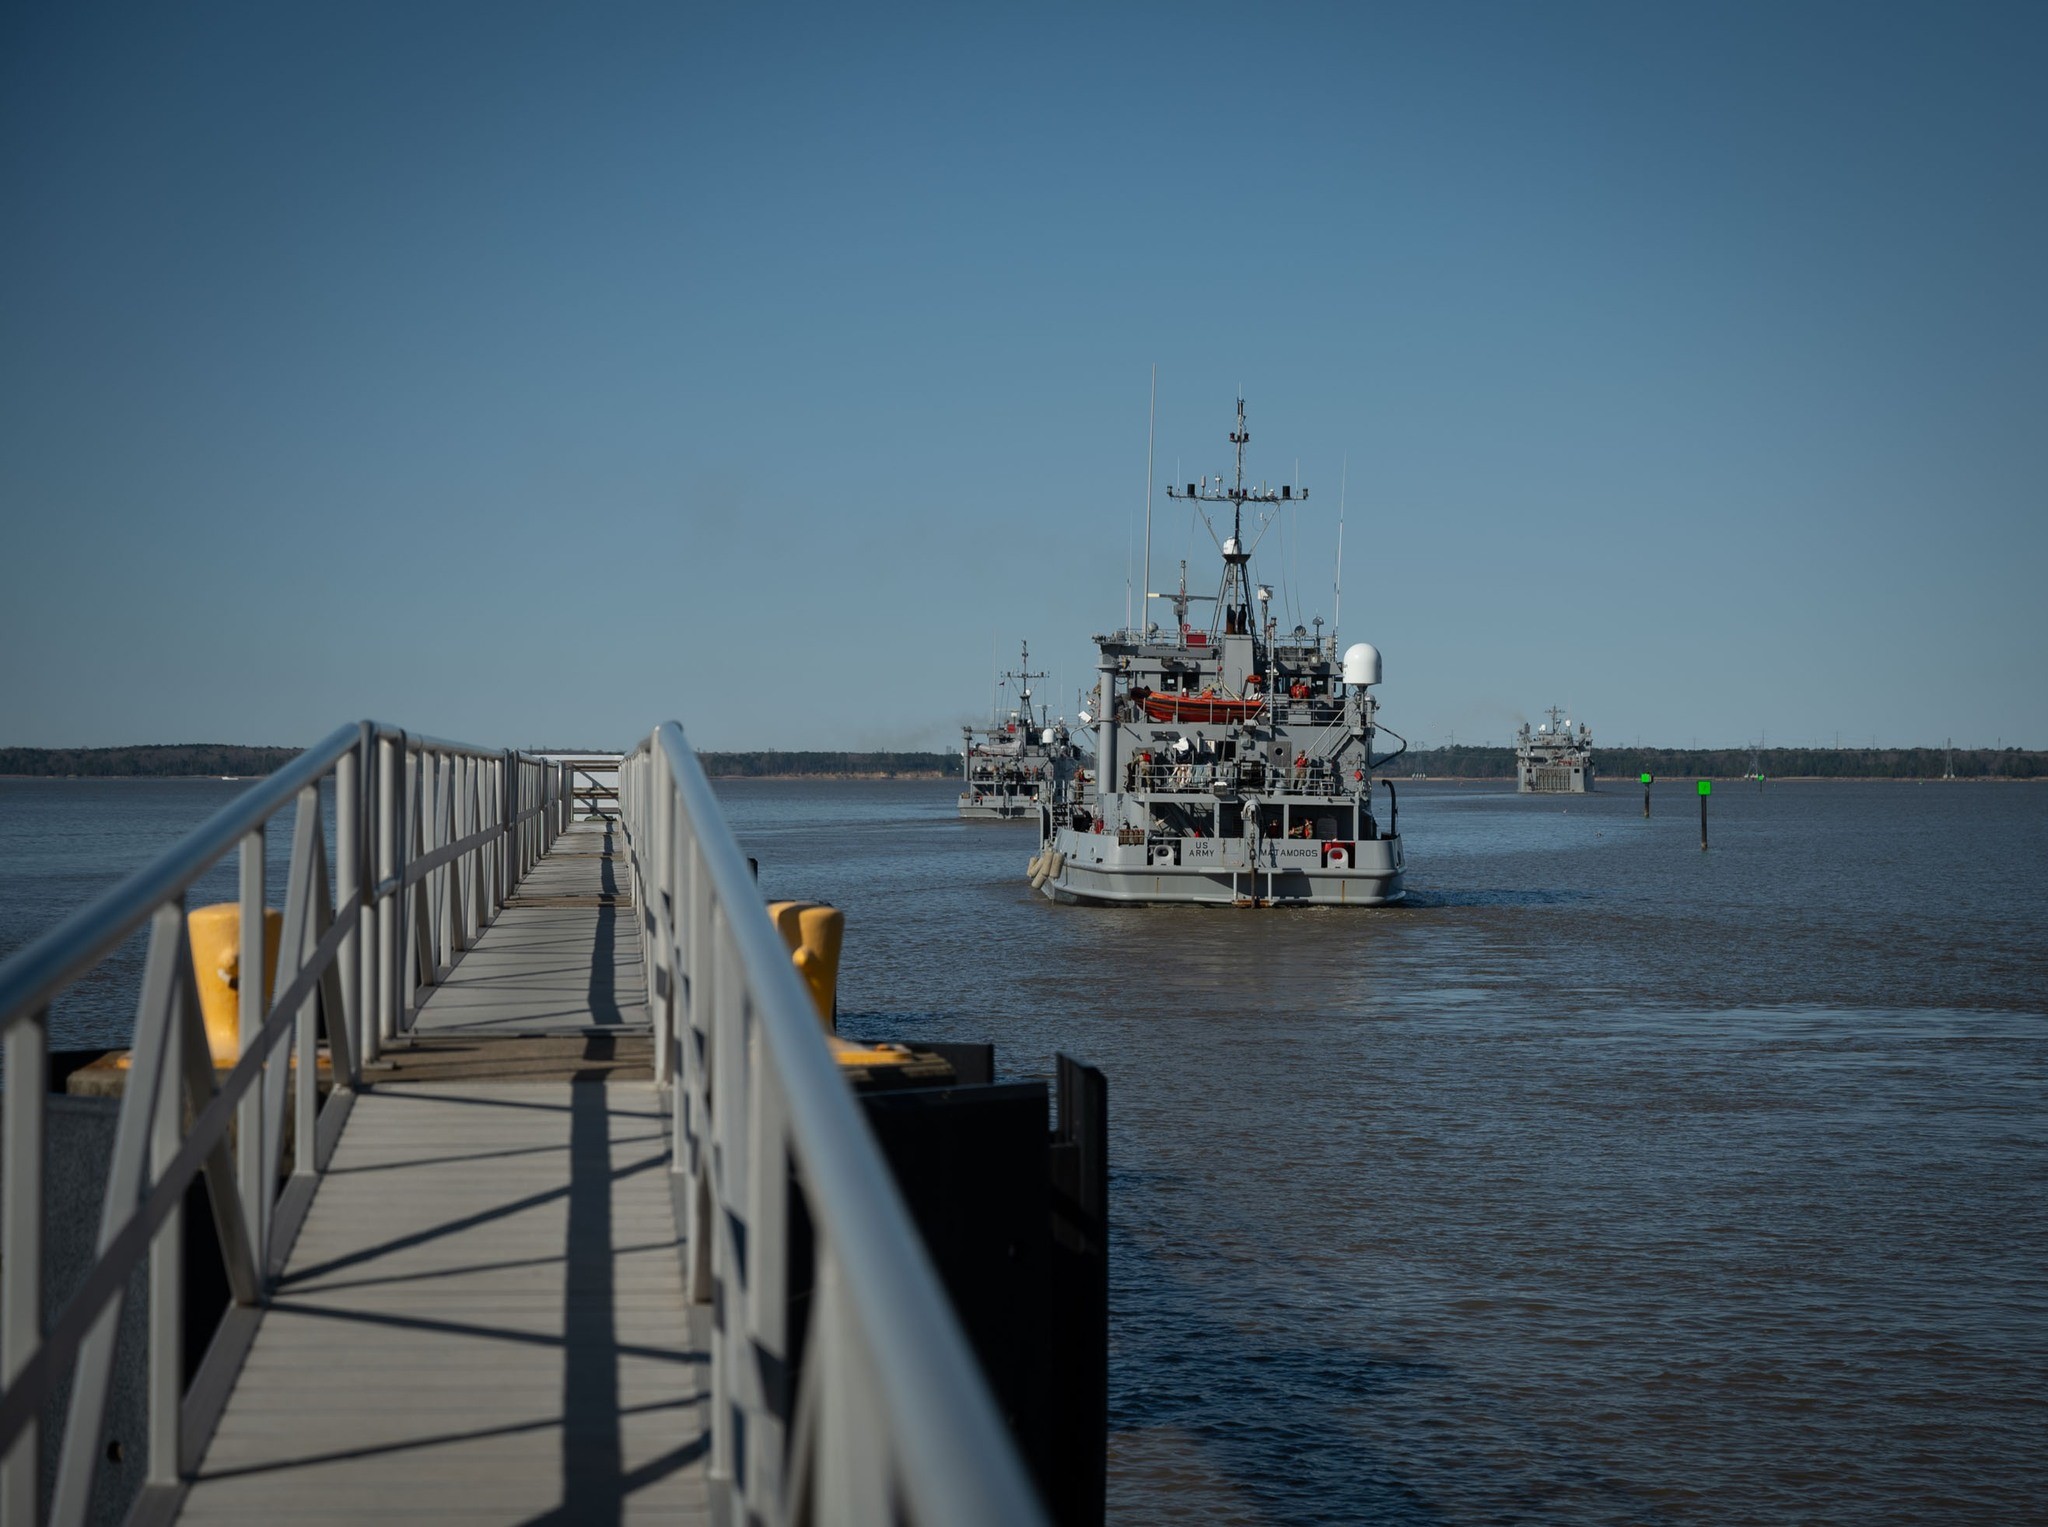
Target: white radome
(1361,665)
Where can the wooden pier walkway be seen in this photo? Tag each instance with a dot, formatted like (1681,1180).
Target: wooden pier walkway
(482,1319)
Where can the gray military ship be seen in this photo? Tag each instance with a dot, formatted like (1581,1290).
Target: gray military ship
(1009,767)
(1233,762)
(1554,760)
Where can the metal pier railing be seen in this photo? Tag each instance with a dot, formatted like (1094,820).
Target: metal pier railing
(429,838)
(861,1404)
(872,1409)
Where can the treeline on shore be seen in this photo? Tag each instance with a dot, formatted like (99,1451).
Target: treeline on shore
(171,760)
(151,761)
(1462,762)
(769,764)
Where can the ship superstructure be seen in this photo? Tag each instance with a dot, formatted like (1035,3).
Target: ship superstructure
(1233,761)
(1009,767)
(1554,759)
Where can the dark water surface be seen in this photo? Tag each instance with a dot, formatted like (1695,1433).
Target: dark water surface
(65,841)
(1609,1181)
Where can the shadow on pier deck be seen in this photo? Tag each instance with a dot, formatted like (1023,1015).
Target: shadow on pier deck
(483,1317)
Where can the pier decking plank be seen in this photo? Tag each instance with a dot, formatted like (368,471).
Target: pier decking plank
(483,1319)
(558,960)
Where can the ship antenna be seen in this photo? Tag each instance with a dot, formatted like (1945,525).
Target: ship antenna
(1343,482)
(1151,420)
(1238,437)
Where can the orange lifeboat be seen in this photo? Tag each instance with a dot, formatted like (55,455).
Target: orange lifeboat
(1199,708)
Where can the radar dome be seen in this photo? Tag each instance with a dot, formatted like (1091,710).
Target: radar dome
(1231,548)
(1046,737)
(1361,664)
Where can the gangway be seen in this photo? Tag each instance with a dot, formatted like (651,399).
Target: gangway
(501,1184)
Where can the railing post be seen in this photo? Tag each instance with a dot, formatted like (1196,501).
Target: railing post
(474,860)
(250,981)
(700,1039)
(390,961)
(453,914)
(728,1188)
(417,906)
(763,1312)
(348,887)
(508,830)
(313,886)
(21,1248)
(666,830)
(651,810)
(166,1377)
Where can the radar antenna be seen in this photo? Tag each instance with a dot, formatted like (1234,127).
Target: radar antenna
(1236,595)
(1024,679)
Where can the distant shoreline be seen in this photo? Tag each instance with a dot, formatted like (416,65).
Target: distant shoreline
(1621,782)
(711,774)
(1618,766)
(877,778)
(1614,786)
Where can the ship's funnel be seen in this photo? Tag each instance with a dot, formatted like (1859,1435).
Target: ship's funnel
(1361,665)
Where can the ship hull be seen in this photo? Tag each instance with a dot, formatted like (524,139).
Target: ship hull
(1095,870)
(996,808)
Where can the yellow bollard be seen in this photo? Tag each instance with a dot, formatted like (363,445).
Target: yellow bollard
(814,933)
(216,935)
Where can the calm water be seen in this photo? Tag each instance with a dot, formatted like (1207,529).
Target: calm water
(1608,1182)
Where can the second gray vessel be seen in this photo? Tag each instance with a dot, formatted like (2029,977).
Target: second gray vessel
(1009,766)
(1554,760)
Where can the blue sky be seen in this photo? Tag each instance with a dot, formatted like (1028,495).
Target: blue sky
(532,373)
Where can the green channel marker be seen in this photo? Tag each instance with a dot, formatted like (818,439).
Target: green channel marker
(1646,779)
(1706,787)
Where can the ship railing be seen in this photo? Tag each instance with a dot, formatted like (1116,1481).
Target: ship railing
(1274,784)
(428,840)
(853,1391)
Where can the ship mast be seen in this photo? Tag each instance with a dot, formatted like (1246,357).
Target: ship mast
(1024,690)
(1236,597)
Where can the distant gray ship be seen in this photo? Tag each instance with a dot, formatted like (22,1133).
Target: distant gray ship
(1554,760)
(1008,767)
(1233,764)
